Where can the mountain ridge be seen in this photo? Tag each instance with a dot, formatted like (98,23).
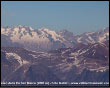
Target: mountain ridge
(45,39)
(76,64)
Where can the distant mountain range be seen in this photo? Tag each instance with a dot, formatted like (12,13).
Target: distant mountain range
(43,55)
(45,39)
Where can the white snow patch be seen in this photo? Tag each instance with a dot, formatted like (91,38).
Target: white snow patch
(17,57)
(100,69)
(91,39)
(89,33)
(79,39)
(35,56)
(94,52)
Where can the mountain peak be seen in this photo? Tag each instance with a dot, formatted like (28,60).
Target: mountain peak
(20,26)
(44,29)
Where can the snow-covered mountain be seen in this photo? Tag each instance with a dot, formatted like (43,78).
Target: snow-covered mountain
(93,37)
(44,39)
(41,39)
(83,63)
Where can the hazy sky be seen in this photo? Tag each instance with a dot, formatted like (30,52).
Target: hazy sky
(75,16)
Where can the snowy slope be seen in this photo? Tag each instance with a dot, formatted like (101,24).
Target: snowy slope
(93,37)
